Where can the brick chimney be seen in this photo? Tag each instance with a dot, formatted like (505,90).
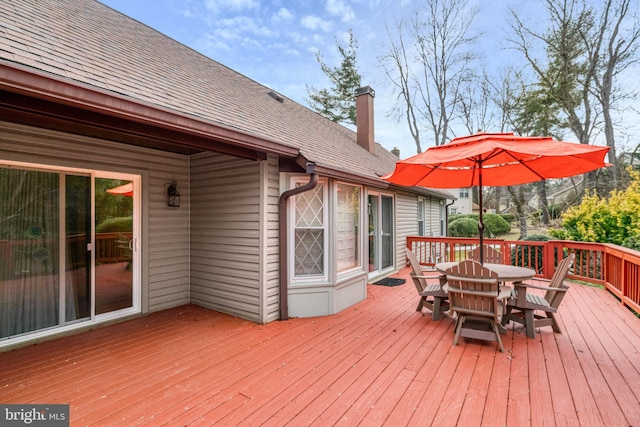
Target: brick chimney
(364,118)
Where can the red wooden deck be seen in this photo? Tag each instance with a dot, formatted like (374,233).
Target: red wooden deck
(377,363)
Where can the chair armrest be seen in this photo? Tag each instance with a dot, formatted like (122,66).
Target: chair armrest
(442,279)
(543,288)
(520,289)
(428,277)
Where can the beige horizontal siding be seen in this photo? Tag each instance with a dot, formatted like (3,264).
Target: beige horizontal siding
(226,235)
(432,220)
(270,237)
(406,223)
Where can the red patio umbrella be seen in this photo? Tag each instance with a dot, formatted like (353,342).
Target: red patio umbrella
(496,159)
(122,190)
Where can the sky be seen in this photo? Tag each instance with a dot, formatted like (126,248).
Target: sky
(275,42)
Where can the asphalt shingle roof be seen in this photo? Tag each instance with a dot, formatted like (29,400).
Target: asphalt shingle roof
(88,42)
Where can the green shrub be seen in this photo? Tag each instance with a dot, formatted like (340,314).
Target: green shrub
(495,225)
(537,238)
(632,242)
(610,220)
(463,227)
(115,225)
(472,216)
(508,217)
(558,234)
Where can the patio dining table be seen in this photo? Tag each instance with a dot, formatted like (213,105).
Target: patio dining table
(506,273)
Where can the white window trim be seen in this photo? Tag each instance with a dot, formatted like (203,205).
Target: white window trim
(308,279)
(136,245)
(394,231)
(361,235)
(422,215)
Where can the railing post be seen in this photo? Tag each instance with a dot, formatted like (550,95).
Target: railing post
(549,265)
(621,285)
(623,281)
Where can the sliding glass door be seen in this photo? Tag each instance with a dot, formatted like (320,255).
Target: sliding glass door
(50,274)
(29,247)
(380,232)
(114,264)
(77,256)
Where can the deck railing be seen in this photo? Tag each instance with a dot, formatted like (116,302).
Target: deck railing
(615,267)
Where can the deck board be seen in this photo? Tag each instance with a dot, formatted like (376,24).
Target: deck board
(541,403)
(496,402)
(563,408)
(590,354)
(476,397)
(377,363)
(519,392)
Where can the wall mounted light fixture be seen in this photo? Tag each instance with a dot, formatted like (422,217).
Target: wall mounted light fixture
(173,196)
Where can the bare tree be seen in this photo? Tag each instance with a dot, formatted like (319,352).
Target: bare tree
(586,49)
(396,66)
(519,200)
(562,72)
(475,105)
(508,92)
(428,61)
(612,46)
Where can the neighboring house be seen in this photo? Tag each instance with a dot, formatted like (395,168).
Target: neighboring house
(630,159)
(463,204)
(566,195)
(137,174)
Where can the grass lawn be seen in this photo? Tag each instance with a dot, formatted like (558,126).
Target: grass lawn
(512,235)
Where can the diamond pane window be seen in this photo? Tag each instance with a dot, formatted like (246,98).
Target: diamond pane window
(309,252)
(309,233)
(309,207)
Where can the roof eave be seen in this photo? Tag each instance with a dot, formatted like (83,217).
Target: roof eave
(346,176)
(36,83)
(374,182)
(433,192)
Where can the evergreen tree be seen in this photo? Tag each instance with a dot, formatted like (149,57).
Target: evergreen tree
(538,115)
(338,103)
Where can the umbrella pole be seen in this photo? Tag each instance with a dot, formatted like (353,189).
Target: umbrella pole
(480,223)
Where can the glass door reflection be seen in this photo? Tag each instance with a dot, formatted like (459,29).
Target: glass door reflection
(114,245)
